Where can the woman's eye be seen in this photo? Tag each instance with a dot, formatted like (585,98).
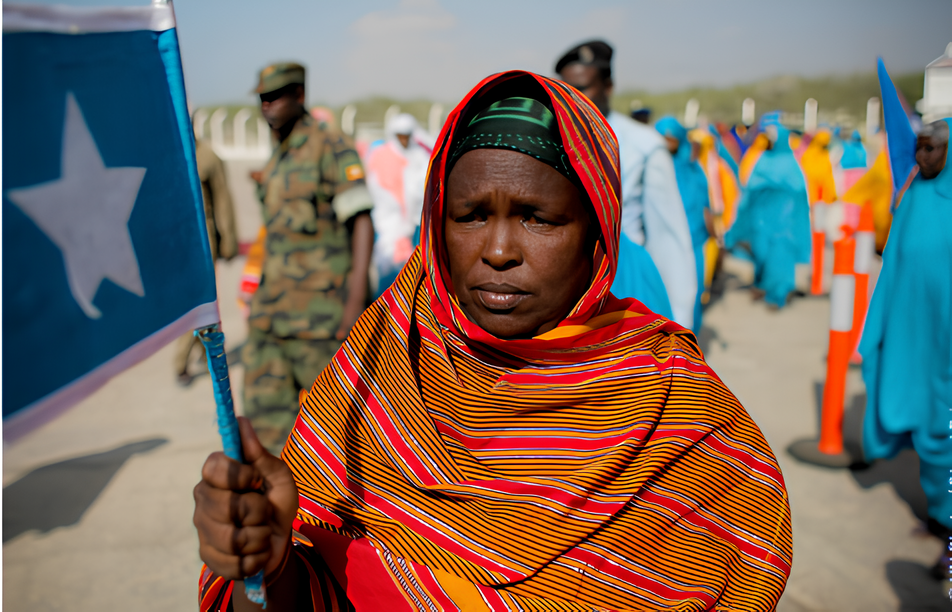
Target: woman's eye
(470,217)
(536,220)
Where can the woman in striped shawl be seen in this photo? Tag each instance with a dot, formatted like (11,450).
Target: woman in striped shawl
(499,432)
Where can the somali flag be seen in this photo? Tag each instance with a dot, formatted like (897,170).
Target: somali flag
(900,137)
(105,251)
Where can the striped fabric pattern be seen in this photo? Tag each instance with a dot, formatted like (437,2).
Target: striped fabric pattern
(600,466)
(630,481)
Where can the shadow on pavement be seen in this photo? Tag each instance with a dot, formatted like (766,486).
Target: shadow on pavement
(722,282)
(902,472)
(58,494)
(708,336)
(916,589)
(725,279)
(852,422)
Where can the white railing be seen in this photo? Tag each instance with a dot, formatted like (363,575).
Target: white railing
(247,140)
(251,140)
(239,137)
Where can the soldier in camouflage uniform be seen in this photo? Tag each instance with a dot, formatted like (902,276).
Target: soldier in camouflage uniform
(317,255)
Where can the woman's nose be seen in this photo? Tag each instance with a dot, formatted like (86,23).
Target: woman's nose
(500,250)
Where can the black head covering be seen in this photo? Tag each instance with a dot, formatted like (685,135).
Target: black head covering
(596,53)
(518,124)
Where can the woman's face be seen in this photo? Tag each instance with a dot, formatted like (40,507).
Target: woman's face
(930,156)
(518,241)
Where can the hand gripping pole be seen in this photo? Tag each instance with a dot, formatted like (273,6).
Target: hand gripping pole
(213,339)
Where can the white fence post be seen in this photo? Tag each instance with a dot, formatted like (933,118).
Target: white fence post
(810,116)
(392,111)
(264,136)
(216,125)
(691,110)
(872,116)
(199,120)
(347,119)
(239,138)
(748,112)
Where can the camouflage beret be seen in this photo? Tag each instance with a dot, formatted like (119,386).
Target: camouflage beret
(278,75)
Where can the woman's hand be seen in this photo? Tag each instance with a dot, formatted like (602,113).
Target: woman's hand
(243,512)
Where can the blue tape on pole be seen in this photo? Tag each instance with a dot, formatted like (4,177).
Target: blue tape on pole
(214,341)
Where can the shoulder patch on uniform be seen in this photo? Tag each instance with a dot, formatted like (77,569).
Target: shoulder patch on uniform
(354,172)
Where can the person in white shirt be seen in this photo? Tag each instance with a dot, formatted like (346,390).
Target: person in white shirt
(652,214)
(396,172)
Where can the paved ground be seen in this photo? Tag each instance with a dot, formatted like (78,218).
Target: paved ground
(97,505)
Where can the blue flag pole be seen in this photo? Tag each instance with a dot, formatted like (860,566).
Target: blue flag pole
(213,339)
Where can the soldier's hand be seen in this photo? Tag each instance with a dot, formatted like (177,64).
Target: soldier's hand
(243,512)
(352,312)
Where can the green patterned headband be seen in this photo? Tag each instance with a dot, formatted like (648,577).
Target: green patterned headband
(518,124)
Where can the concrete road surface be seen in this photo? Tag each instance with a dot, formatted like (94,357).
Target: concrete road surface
(97,505)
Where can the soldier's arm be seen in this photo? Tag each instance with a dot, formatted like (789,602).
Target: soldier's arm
(352,205)
(361,245)
(224,211)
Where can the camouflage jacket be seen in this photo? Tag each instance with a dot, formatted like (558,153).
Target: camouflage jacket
(313,184)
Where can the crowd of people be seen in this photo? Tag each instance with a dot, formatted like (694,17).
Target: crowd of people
(452,398)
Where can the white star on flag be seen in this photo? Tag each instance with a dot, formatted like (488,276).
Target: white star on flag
(86,213)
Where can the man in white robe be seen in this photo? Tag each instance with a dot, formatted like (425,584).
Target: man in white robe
(652,213)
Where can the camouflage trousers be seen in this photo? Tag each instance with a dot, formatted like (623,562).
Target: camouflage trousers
(276,370)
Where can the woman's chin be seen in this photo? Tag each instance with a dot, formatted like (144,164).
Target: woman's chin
(506,324)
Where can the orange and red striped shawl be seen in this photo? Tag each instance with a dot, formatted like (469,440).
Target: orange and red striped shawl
(600,466)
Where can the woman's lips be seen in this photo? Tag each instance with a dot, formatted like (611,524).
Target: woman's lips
(499,297)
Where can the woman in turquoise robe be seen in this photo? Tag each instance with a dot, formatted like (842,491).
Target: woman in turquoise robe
(773,220)
(638,277)
(907,340)
(854,153)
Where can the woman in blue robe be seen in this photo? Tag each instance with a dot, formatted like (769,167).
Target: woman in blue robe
(773,220)
(854,153)
(692,184)
(638,277)
(907,340)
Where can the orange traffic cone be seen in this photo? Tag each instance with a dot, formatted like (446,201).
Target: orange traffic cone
(828,451)
(819,245)
(863,260)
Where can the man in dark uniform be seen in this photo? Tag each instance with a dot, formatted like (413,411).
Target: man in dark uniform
(314,282)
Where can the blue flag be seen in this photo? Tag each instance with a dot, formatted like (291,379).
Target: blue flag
(105,250)
(900,139)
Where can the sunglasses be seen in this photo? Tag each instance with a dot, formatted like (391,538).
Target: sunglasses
(271,96)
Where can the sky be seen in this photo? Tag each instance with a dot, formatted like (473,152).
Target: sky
(439,49)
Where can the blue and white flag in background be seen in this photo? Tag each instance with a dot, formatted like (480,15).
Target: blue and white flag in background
(105,252)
